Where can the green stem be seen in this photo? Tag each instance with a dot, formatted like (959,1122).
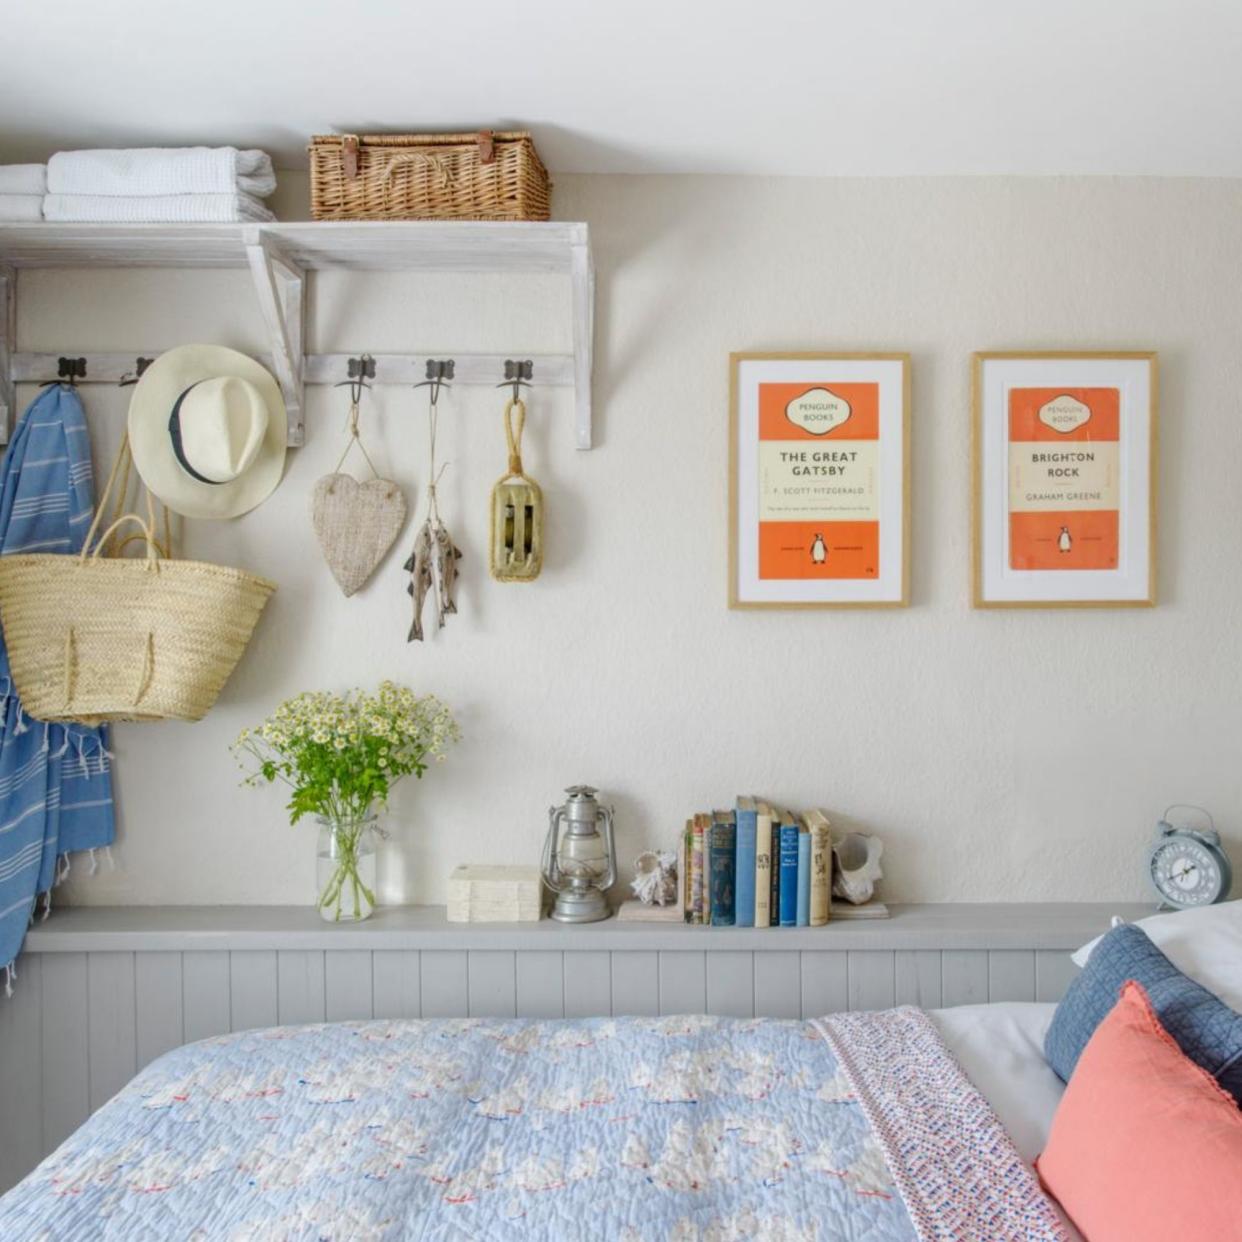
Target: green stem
(348,833)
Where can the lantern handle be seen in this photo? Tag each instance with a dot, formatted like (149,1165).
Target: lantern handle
(605,813)
(550,867)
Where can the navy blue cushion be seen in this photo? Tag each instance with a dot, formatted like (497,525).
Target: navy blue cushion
(1205,1028)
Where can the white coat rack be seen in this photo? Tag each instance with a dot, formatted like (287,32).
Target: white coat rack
(278,257)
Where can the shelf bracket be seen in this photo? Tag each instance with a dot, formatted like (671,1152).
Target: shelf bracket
(279,285)
(582,283)
(8,347)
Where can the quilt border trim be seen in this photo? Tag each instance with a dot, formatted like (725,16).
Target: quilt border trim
(958,1171)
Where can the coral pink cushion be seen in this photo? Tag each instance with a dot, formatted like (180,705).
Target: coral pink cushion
(1145,1147)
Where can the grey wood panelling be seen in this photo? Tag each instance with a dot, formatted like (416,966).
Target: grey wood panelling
(1054,972)
(825,978)
(252,989)
(299,986)
(540,985)
(872,979)
(66,1060)
(1011,975)
(731,984)
(157,1004)
(443,983)
(778,985)
(683,983)
(964,976)
(635,983)
(588,984)
(21,1060)
(204,993)
(396,982)
(347,985)
(917,977)
(491,984)
(112,1036)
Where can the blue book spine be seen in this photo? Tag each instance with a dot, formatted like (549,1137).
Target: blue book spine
(774,897)
(747,826)
(723,873)
(803,916)
(789,875)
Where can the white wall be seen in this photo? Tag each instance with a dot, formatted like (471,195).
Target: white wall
(1014,756)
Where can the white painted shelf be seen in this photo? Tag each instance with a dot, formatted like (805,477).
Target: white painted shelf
(182,928)
(377,245)
(278,257)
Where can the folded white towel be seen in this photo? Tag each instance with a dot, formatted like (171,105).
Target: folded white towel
(23,178)
(161,171)
(157,209)
(21,207)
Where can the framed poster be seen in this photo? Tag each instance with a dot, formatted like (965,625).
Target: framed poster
(1065,480)
(818,480)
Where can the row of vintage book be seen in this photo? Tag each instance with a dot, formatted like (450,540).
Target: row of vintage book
(757,866)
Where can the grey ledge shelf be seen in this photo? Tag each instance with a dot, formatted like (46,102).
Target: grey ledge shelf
(133,929)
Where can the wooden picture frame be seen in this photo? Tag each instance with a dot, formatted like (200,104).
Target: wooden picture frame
(1053,525)
(819,480)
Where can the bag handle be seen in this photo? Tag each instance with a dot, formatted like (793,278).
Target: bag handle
(436,163)
(118,483)
(153,548)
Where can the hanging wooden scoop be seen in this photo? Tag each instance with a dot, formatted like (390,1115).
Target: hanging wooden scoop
(516,542)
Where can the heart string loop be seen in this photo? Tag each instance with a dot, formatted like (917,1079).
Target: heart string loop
(355,438)
(356,522)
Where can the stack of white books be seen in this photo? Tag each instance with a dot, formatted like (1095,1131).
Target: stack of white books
(490,894)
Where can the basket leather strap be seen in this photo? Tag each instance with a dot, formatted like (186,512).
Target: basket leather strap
(349,156)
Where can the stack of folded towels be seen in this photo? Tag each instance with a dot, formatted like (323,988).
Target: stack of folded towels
(155,185)
(22,187)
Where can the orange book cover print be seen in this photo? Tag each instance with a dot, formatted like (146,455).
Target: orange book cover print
(1064,489)
(819,463)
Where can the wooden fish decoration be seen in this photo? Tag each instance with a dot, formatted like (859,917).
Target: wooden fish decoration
(432,567)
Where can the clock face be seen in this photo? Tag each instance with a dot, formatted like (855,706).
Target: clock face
(1185,873)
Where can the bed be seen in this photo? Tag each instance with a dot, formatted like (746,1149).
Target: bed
(861,1127)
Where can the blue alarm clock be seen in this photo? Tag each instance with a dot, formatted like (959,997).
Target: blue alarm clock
(1188,867)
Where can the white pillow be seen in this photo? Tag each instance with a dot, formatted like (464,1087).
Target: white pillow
(1205,944)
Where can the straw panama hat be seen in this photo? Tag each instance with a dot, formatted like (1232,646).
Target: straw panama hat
(207,428)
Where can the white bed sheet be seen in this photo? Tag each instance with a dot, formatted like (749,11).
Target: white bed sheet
(1001,1048)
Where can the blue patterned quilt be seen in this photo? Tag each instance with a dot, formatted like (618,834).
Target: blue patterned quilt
(695,1129)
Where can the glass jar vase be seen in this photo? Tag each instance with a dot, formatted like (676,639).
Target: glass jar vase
(345,868)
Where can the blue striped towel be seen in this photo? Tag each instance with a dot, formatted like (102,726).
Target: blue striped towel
(55,780)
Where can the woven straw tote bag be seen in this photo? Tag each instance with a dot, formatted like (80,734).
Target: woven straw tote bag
(93,638)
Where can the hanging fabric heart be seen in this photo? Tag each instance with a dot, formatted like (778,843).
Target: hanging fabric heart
(356,523)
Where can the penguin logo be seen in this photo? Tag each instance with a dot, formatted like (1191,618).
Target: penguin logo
(819,550)
(1064,542)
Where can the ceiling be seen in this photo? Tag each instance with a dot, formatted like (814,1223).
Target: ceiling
(799,87)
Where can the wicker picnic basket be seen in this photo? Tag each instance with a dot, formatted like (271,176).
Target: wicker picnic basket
(93,638)
(483,176)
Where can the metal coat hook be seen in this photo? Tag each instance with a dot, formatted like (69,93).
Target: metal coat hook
(68,371)
(132,377)
(359,370)
(518,374)
(439,372)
